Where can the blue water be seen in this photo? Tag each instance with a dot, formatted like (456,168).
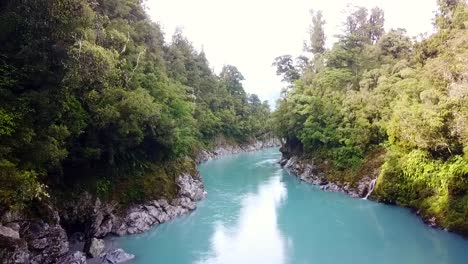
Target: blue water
(255,212)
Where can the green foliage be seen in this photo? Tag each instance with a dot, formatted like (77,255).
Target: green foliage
(437,188)
(90,94)
(378,89)
(18,187)
(317,33)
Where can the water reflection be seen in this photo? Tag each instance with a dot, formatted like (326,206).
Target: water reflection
(256,213)
(255,238)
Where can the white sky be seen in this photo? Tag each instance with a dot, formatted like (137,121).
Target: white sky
(249,34)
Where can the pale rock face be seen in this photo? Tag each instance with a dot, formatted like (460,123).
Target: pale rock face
(8,232)
(96,247)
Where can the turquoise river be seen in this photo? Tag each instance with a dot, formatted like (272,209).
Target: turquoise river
(255,212)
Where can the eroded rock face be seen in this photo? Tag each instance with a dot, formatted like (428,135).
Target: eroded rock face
(47,243)
(39,241)
(141,218)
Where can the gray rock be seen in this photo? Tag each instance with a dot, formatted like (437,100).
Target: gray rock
(8,232)
(139,220)
(9,238)
(190,187)
(50,243)
(96,247)
(76,258)
(116,256)
(185,202)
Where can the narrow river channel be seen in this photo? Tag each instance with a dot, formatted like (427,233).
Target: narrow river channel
(255,212)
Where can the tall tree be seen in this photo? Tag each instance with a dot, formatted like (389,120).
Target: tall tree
(316,33)
(232,77)
(376,24)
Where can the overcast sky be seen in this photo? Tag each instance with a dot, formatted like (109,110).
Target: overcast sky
(251,33)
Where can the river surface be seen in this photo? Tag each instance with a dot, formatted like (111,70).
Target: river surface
(255,212)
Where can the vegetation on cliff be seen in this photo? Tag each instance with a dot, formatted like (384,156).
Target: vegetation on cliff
(377,90)
(92,97)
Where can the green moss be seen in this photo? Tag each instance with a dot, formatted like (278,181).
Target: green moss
(366,167)
(158,180)
(434,187)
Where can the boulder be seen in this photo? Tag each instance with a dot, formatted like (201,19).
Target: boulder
(96,247)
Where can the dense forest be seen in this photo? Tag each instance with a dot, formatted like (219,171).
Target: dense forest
(380,92)
(93,98)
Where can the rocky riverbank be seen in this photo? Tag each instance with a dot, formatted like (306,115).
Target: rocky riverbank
(308,172)
(75,232)
(44,240)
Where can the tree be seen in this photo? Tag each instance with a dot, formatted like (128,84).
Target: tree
(232,77)
(382,93)
(254,100)
(376,24)
(91,96)
(395,43)
(317,33)
(285,67)
(362,28)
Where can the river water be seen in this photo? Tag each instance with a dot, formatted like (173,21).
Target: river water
(255,212)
